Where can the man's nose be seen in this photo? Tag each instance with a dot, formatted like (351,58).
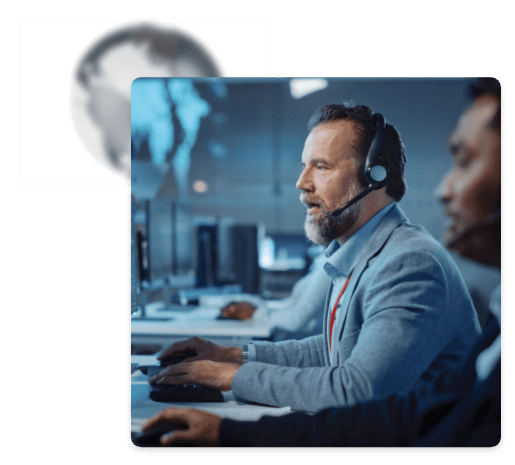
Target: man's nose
(443,192)
(304,183)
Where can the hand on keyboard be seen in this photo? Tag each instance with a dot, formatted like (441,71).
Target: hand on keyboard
(181,392)
(205,372)
(205,350)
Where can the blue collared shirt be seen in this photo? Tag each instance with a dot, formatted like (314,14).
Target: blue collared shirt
(342,259)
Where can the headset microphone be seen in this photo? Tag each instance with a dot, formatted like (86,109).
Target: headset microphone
(374,173)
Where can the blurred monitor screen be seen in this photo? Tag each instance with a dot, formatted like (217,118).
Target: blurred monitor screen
(281,252)
(159,237)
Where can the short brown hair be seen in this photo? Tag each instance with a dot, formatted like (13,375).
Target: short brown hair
(392,149)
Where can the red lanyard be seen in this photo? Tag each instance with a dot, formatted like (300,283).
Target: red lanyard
(333,314)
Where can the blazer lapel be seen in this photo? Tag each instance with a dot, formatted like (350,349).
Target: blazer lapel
(380,236)
(327,355)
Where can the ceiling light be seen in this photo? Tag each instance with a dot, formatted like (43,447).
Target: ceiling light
(301,87)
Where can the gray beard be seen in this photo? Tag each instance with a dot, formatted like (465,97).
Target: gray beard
(325,229)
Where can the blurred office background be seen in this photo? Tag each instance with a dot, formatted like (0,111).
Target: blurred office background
(215,163)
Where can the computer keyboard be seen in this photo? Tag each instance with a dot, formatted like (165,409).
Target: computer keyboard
(181,392)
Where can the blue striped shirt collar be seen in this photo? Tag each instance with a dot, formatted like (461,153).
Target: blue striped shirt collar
(342,258)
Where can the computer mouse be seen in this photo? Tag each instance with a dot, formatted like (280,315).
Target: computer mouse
(150,438)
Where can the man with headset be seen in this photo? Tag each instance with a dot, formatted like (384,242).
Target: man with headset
(456,407)
(397,305)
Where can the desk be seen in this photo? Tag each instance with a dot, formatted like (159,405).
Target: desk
(143,408)
(200,321)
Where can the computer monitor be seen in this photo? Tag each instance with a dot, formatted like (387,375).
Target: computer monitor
(207,259)
(159,238)
(138,297)
(184,240)
(134,265)
(245,257)
(226,254)
(283,252)
(225,257)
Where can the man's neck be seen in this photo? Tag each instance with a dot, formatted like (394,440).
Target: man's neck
(372,205)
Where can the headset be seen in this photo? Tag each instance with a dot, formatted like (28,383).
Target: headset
(374,174)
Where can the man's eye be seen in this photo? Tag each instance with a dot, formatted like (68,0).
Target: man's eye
(320,167)
(463,162)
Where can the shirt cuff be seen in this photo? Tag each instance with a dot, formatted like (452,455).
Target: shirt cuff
(252,352)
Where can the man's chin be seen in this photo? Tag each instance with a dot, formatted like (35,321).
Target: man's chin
(449,236)
(313,232)
(454,233)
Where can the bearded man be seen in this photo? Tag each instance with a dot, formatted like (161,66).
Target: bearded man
(397,307)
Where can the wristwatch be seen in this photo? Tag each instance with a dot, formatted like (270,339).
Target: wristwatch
(244,354)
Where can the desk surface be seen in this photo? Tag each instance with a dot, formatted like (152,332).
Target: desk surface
(143,408)
(200,321)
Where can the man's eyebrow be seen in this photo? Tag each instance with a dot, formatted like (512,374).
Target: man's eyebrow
(313,161)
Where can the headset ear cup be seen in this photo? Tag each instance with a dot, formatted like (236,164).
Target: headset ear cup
(367,180)
(385,179)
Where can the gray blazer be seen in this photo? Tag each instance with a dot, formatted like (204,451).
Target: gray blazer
(406,310)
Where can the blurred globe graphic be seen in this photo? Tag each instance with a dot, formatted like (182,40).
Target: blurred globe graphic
(101,88)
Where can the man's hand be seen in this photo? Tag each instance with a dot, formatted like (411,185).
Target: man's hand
(205,351)
(213,374)
(194,427)
(238,310)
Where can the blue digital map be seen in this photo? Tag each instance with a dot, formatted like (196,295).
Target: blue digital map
(152,104)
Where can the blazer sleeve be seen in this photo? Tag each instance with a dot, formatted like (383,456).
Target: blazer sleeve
(452,415)
(406,325)
(390,422)
(308,352)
